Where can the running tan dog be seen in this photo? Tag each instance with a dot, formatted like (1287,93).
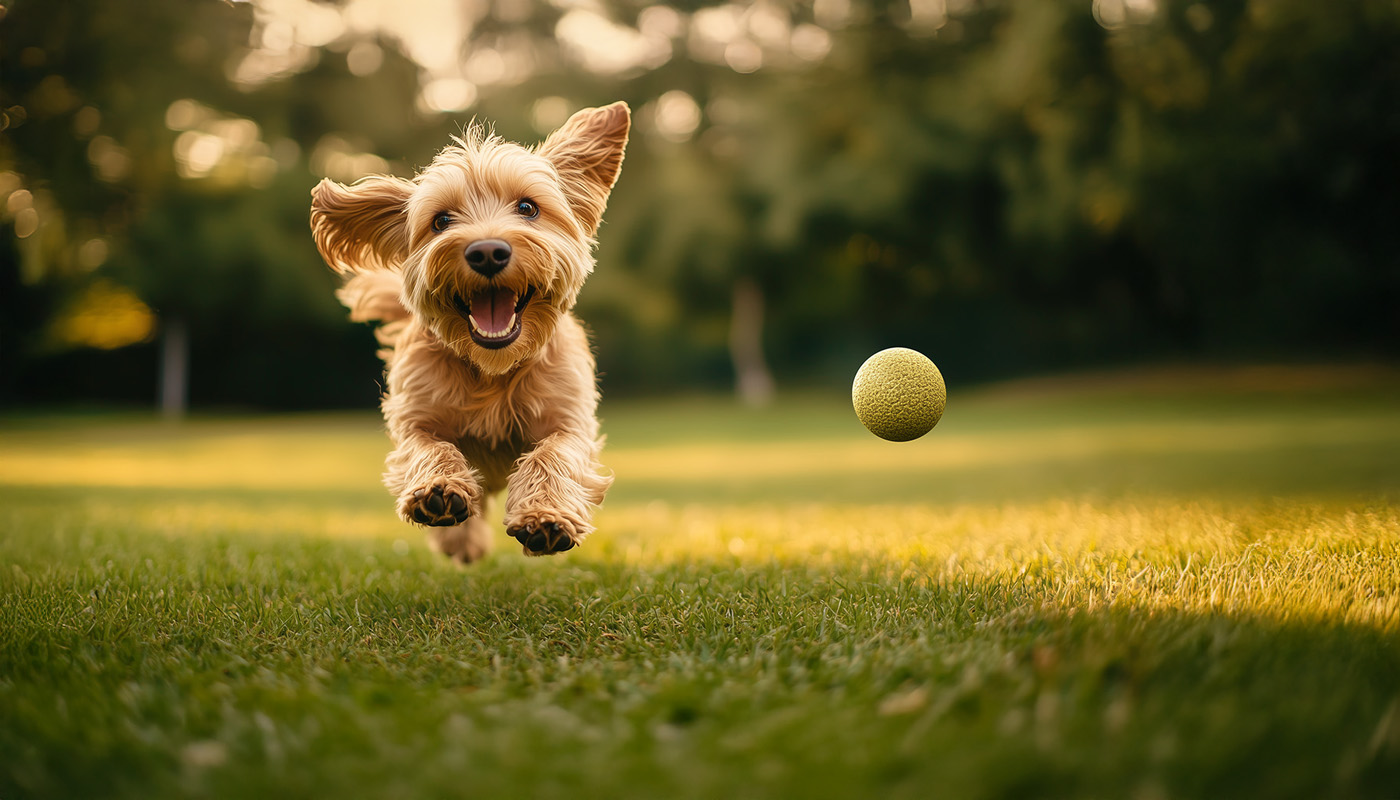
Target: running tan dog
(472,268)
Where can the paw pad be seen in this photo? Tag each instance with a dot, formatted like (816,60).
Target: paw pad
(438,506)
(544,539)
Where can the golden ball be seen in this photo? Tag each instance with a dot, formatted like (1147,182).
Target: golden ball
(899,394)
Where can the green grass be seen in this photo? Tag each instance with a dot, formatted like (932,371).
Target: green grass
(1171,585)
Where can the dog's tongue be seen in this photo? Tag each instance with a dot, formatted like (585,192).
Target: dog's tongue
(492,309)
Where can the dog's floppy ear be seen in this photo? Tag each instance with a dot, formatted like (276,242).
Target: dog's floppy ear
(587,152)
(361,226)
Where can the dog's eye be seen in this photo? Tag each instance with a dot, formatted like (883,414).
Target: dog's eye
(441,221)
(527,209)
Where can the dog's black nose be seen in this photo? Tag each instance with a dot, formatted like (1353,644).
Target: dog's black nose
(488,256)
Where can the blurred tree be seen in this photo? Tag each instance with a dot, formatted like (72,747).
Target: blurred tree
(1038,184)
(1008,185)
(88,136)
(138,125)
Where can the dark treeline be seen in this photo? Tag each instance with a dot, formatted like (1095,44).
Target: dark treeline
(1009,187)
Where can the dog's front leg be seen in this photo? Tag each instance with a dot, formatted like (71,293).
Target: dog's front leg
(551,494)
(434,484)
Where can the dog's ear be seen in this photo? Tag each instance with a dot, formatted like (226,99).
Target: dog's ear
(361,226)
(587,152)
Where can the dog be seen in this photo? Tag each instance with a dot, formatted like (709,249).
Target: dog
(472,269)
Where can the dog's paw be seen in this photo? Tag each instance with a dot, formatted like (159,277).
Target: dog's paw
(438,504)
(544,537)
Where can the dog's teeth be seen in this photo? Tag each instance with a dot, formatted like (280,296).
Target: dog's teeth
(510,325)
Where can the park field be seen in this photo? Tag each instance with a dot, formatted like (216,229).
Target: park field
(1144,585)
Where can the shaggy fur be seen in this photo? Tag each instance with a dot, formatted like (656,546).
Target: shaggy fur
(470,414)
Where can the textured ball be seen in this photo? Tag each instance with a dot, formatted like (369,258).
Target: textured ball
(899,394)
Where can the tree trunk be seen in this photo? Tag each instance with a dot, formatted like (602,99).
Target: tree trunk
(174,368)
(754,382)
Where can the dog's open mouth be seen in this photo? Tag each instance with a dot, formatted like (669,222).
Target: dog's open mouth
(493,314)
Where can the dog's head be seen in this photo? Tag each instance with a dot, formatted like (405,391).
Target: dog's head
(494,240)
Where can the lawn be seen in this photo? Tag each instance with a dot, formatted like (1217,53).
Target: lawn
(1164,584)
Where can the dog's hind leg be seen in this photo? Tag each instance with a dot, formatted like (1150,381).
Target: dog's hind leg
(466,543)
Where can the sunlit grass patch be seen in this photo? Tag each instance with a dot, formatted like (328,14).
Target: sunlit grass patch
(1282,560)
(330,452)
(1198,597)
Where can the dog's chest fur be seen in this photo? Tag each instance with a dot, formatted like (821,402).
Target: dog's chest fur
(493,419)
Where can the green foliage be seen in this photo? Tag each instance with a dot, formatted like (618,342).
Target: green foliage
(1011,186)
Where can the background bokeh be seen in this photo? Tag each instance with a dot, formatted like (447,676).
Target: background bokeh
(1010,187)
